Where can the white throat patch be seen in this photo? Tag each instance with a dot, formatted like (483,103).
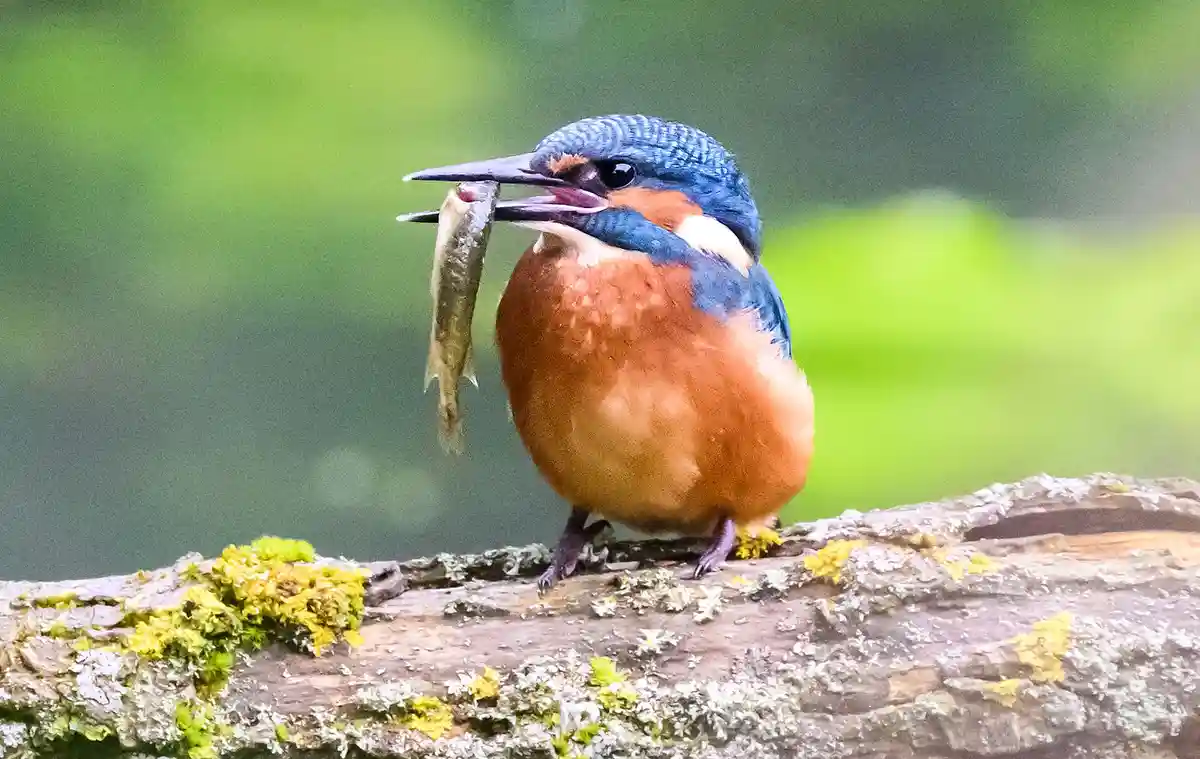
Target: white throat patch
(707,234)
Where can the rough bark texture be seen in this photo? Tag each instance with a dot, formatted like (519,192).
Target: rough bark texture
(1046,618)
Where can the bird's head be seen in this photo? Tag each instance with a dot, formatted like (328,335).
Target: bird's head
(597,170)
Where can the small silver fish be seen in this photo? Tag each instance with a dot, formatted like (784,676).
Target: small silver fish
(464,226)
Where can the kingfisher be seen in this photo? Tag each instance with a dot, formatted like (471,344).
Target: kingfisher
(645,350)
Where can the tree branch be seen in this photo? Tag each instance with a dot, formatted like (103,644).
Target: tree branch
(1046,618)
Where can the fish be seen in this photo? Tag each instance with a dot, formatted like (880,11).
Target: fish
(464,227)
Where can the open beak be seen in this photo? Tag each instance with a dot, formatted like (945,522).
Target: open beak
(564,198)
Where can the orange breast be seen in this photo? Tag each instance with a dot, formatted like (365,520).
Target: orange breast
(636,406)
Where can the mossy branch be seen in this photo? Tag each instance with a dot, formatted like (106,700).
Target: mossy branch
(1049,617)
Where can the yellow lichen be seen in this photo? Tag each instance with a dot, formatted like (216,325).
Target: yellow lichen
(829,560)
(921,540)
(485,686)
(60,602)
(975,564)
(981,564)
(426,714)
(1042,649)
(201,622)
(252,594)
(58,629)
(756,545)
(1004,691)
(271,548)
(271,591)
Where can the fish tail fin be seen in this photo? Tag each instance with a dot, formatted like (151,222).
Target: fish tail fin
(450,431)
(432,365)
(469,365)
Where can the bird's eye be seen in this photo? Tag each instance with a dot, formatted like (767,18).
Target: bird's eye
(616,174)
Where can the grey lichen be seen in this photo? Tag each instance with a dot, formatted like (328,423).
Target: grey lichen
(98,687)
(471,606)
(457,569)
(13,737)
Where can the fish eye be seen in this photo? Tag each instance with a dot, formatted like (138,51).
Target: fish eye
(616,174)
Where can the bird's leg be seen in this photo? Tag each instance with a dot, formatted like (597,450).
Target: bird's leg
(570,544)
(718,549)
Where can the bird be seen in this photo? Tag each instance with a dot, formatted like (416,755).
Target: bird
(645,349)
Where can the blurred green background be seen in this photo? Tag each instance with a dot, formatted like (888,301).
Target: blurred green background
(983,218)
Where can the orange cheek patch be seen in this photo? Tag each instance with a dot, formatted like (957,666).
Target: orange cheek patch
(666,208)
(565,163)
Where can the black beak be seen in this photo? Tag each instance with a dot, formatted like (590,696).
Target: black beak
(564,197)
(513,169)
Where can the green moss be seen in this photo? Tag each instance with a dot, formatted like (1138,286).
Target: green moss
(214,673)
(582,737)
(281,733)
(603,672)
(92,731)
(561,744)
(617,699)
(196,724)
(66,726)
(614,694)
(586,733)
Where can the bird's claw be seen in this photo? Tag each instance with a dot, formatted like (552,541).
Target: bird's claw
(570,545)
(549,579)
(709,562)
(558,570)
(718,549)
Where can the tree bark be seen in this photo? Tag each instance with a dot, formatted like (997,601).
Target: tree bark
(1046,618)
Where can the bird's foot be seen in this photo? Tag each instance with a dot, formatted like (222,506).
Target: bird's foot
(574,538)
(718,548)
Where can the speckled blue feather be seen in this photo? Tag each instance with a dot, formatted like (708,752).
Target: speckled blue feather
(717,287)
(669,156)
